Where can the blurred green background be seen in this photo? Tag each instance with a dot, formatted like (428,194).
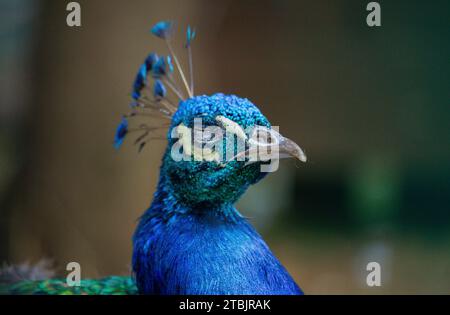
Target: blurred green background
(370,106)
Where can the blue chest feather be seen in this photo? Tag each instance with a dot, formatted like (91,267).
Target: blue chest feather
(207,252)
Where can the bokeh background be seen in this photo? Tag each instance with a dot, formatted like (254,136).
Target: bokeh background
(370,106)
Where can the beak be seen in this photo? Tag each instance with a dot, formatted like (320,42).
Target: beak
(288,148)
(267,144)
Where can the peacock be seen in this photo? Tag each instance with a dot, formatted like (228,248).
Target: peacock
(192,240)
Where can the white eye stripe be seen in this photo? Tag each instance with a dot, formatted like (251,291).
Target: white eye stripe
(231,127)
(210,134)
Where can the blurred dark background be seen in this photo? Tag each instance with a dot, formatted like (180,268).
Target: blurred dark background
(370,106)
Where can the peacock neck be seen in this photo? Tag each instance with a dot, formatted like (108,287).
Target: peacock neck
(180,248)
(167,203)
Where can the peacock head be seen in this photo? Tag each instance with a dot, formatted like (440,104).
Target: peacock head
(218,145)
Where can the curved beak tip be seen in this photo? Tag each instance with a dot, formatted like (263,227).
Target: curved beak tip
(292,149)
(302,157)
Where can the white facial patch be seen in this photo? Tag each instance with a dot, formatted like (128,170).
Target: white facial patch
(231,127)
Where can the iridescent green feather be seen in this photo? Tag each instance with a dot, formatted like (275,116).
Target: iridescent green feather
(113,285)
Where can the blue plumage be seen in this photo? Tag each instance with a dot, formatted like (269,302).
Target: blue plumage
(190,35)
(121,132)
(139,82)
(204,253)
(151,59)
(162,29)
(159,90)
(159,68)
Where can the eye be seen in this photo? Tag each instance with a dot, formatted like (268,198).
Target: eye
(208,135)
